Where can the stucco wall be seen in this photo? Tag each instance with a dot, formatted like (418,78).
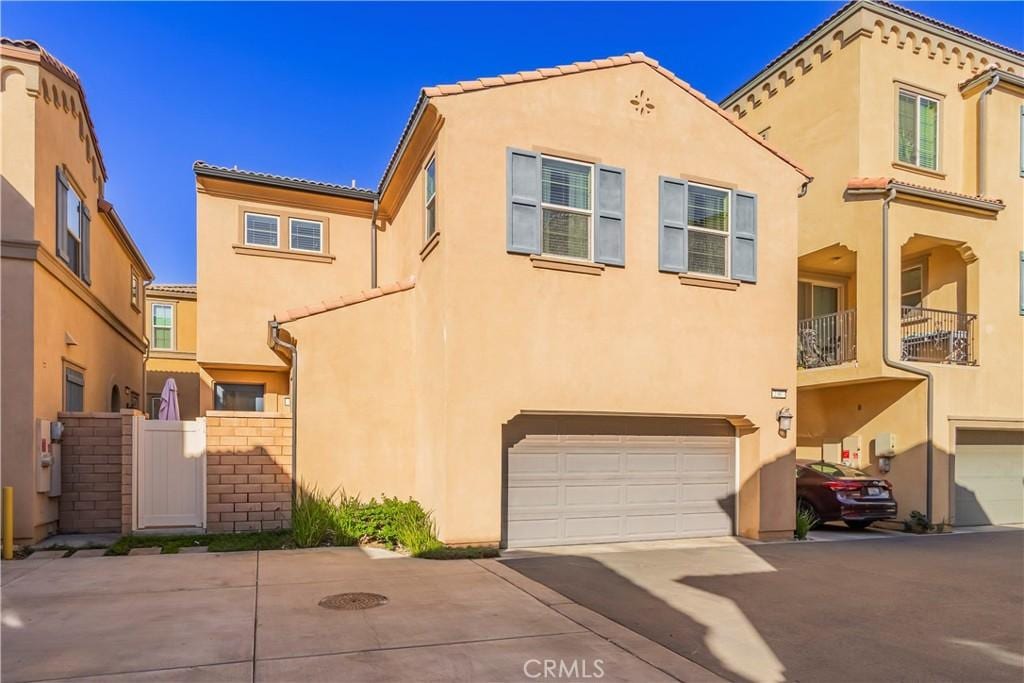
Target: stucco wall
(407,394)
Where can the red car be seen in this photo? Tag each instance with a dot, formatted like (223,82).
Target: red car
(832,492)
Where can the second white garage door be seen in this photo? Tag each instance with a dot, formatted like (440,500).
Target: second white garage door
(568,489)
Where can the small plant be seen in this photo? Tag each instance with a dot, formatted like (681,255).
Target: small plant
(416,531)
(918,523)
(805,520)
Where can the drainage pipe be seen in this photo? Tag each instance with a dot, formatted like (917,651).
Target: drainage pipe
(982,141)
(897,364)
(373,244)
(277,341)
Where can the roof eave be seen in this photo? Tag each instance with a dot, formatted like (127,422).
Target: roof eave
(203,170)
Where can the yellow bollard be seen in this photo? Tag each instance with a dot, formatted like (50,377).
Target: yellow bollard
(8,531)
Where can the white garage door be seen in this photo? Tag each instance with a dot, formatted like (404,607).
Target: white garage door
(989,469)
(587,489)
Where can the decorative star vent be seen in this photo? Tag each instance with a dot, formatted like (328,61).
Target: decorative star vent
(642,104)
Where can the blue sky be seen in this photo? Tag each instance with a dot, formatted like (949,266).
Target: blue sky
(322,90)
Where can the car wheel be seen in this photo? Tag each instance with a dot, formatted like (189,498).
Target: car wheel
(857,523)
(803,507)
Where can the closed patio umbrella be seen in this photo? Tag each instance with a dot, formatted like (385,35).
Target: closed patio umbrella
(169,401)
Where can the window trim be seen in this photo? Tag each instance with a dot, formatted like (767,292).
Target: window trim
(72,187)
(263,398)
(291,235)
(569,209)
(172,327)
(727,234)
(918,93)
(245,230)
(429,203)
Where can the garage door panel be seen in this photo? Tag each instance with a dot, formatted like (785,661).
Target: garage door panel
(584,528)
(593,495)
(618,488)
(528,463)
(652,462)
(652,493)
(589,462)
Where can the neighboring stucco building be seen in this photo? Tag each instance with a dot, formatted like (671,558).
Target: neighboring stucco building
(171,331)
(897,114)
(584,308)
(73,279)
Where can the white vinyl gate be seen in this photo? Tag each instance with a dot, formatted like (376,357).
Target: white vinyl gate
(169,473)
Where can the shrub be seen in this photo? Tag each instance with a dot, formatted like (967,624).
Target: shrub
(805,520)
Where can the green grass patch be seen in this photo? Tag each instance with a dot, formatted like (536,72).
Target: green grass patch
(216,543)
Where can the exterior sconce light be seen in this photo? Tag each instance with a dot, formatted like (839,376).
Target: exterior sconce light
(785,418)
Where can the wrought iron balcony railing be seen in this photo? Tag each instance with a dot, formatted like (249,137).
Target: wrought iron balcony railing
(933,336)
(827,339)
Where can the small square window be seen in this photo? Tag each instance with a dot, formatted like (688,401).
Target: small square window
(305,235)
(261,230)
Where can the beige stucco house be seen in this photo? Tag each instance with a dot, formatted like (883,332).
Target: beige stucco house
(171,330)
(564,315)
(911,289)
(73,279)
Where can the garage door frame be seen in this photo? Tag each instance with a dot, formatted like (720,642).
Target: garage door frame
(956,424)
(704,425)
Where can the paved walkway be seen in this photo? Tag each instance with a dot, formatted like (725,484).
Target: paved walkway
(255,617)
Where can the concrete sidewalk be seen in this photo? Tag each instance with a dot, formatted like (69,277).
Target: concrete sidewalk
(255,617)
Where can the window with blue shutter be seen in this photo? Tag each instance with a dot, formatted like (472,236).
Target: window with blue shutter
(523,233)
(744,237)
(672,242)
(610,217)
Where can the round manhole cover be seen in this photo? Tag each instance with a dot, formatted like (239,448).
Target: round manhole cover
(349,601)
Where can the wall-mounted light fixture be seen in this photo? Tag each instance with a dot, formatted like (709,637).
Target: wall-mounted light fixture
(785,418)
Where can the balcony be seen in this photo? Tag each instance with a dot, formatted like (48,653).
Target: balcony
(930,335)
(826,340)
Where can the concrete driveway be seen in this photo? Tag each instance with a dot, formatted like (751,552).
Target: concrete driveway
(873,606)
(255,617)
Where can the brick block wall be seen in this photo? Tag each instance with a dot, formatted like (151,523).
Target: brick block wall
(93,452)
(248,471)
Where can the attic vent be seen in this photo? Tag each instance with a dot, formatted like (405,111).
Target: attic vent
(642,104)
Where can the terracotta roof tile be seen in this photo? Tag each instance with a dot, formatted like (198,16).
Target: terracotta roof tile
(203,168)
(172,288)
(294,314)
(882,183)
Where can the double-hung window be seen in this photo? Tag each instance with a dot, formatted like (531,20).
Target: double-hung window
(707,220)
(566,203)
(163,327)
(430,200)
(72,227)
(917,138)
(261,230)
(135,289)
(305,235)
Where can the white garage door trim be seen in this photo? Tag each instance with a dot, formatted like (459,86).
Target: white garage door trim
(572,489)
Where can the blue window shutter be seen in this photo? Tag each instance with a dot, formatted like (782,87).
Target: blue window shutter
(62,218)
(85,221)
(610,217)
(523,233)
(744,236)
(672,254)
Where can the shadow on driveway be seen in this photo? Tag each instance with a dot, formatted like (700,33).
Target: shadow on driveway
(945,608)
